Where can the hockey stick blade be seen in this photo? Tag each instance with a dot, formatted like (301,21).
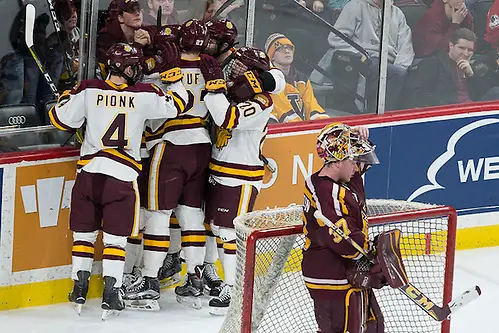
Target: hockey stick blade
(413,293)
(29,25)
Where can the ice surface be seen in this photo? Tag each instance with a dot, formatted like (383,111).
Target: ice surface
(473,267)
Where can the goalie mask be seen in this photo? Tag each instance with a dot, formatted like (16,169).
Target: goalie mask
(120,56)
(337,142)
(222,37)
(245,59)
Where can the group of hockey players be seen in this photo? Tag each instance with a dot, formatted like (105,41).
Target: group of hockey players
(200,107)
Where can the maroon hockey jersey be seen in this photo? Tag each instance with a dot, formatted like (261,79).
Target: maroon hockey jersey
(326,255)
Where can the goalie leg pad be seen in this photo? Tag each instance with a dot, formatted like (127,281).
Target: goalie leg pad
(390,258)
(376,322)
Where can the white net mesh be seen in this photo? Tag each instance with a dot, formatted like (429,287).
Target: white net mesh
(281,302)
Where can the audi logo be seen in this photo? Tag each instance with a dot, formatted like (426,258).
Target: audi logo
(17,120)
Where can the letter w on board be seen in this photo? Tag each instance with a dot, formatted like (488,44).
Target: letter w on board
(45,198)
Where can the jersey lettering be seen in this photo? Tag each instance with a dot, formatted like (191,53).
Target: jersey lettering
(115,136)
(116,101)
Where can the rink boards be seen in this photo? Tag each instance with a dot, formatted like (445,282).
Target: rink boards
(441,156)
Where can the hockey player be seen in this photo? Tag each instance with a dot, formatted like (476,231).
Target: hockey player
(236,167)
(338,277)
(114,112)
(177,180)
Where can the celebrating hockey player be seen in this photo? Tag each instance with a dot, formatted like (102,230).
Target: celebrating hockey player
(105,191)
(236,168)
(177,180)
(339,278)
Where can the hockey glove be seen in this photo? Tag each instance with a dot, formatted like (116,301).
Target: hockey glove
(365,275)
(212,73)
(245,86)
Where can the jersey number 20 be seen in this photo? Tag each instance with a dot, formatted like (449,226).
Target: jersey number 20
(115,136)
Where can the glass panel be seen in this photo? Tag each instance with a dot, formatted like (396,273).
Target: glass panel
(326,75)
(29,139)
(25,94)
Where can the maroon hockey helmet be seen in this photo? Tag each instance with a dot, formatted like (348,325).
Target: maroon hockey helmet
(222,36)
(193,36)
(245,59)
(122,55)
(170,33)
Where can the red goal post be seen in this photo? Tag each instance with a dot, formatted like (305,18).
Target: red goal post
(270,296)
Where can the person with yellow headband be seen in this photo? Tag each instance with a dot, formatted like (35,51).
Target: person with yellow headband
(297,102)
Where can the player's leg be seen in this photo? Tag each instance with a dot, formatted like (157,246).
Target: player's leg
(191,219)
(84,221)
(228,202)
(375,321)
(165,185)
(212,281)
(169,273)
(121,211)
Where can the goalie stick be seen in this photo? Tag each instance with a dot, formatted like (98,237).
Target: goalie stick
(414,294)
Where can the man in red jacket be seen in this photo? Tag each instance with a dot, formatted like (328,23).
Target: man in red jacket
(433,31)
(492,27)
(126,28)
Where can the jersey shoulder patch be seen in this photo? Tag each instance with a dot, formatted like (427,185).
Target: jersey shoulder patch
(263,99)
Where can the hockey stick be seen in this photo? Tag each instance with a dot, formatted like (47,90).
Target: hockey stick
(158,18)
(28,38)
(414,294)
(57,27)
(222,9)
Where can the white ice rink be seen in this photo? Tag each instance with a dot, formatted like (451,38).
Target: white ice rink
(479,266)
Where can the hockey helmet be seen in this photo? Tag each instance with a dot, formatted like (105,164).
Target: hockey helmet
(170,33)
(245,59)
(222,36)
(193,36)
(122,55)
(337,142)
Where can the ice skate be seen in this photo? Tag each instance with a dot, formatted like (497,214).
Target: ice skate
(169,273)
(130,279)
(212,281)
(78,295)
(219,306)
(191,292)
(112,302)
(143,295)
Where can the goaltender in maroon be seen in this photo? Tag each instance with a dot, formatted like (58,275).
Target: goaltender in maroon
(338,277)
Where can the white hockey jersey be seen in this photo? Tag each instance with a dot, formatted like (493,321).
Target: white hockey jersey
(115,117)
(241,129)
(192,126)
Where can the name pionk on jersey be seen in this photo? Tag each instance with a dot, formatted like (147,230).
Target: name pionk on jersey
(114,100)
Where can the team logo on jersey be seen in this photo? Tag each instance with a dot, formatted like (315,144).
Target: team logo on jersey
(223,137)
(494,21)
(229,25)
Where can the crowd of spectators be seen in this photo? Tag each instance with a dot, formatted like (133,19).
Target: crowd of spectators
(433,62)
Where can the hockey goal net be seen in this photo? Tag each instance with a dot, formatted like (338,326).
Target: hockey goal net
(270,296)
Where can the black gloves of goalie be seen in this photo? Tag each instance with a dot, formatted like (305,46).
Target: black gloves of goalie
(364,274)
(212,73)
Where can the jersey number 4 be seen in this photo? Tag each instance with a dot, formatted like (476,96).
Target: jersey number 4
(115,135)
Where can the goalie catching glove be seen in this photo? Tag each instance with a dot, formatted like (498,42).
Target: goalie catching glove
(386,268)
(212,73)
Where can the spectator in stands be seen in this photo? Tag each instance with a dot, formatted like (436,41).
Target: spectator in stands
(127,28)
(360,20)
(484,84)
(491,35)
(203,10)
(316,5)
(434,29)
(445,77)
(297,102)
(62,61)
(169,14)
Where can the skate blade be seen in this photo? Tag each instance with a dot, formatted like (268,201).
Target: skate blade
(215,311)
(142,305)
(78,308)
(108,313)
(192,302)
(171,281)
